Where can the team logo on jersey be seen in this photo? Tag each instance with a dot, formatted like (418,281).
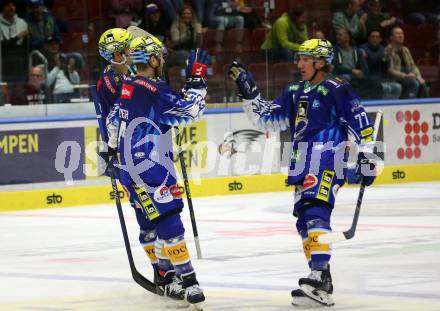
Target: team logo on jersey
(302,111)
(355,105)
(301,120)
(316,104)
(127,91)
(163,195)
(310,181)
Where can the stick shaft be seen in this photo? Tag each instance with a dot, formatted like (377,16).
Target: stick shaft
(189,198)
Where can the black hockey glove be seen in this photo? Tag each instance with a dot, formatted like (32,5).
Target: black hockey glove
(366,168)
(110,158)
(196,66)
(245,82)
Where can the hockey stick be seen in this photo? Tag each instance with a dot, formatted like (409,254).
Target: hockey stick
(137,277)
(137,32)
(346,235)
(188,195)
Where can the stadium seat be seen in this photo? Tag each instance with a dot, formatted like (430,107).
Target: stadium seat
(426,35)
(216,83)
(212,41)
(426,61)
(4,89)
(411,35)
(262,74)
(73,42)
(258,36)
(434,88)
(237,40)
(225,58)
(77,25)
(284,74)
(430,73)
(176,77)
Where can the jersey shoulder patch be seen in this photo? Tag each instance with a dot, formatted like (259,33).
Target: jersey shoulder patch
(295,87)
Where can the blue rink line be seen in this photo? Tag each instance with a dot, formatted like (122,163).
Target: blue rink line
(209,284)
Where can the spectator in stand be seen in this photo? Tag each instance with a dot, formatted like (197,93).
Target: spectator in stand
(227,15)
(286,35)
(62,78)
(251,18)
(41,25)
(378,66)
(376,19)
(61,71)
(349,20)
(14,43)
(154,23)
(403,68)
(34,92)
(204,10)
(125,11)
(350,64)
(186,34)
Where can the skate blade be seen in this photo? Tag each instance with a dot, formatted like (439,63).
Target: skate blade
(176,304)
(305,303)
(317,295)
(198,306)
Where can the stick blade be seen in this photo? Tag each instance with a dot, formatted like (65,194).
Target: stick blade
(331,237)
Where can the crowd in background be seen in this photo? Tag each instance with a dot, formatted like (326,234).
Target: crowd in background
(41,64)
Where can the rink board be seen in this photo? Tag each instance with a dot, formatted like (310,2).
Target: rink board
(220,159)
(102,194)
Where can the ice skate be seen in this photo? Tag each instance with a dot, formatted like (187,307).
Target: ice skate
(318,287)
(170,286)
(299,299)
(193,292)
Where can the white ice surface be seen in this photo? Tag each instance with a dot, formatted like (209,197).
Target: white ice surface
(74,258)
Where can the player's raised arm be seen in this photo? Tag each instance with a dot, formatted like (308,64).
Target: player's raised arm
(268,115)
(187,107)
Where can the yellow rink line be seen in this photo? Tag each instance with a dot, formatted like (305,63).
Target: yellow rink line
(102,194)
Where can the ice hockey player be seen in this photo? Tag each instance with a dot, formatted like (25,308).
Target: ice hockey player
(114,48)
(149,109)
(322,112)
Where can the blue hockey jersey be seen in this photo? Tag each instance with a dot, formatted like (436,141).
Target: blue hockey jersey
(148,109)
(321,118)
(109,89)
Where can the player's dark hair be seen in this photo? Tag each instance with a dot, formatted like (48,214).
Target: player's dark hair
(141,66)
(326,68)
